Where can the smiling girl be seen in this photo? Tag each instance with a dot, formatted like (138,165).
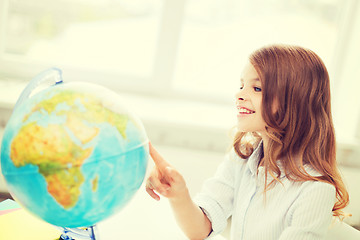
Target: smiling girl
(280,180)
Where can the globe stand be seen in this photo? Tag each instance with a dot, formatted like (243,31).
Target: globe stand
(89,233)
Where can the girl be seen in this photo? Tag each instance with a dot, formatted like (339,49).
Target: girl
(280,180)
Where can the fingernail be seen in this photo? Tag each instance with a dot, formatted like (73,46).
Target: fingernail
(162,191)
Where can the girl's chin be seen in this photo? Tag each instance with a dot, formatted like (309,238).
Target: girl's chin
(245,129)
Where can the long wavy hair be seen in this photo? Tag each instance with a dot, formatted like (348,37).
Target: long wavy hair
(296,81)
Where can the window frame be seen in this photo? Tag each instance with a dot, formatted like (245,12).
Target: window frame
(158,83)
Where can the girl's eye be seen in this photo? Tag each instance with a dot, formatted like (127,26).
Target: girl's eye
(257,89)
(241,87)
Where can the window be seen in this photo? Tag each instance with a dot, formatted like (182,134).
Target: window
(193,49)
(346,97)
(194,46)
(219,35)
(112,36)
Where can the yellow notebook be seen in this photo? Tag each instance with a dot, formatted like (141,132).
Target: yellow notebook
(21,225)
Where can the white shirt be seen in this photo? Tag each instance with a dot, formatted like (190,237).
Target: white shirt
(294,210)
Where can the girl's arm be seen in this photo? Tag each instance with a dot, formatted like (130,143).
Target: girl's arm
(167,181)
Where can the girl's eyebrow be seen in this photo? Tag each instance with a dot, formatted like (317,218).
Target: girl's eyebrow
(252,79)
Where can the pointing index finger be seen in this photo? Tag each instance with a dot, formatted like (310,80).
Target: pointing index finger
(157,158)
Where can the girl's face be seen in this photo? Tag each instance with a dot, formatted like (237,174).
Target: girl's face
(248,102)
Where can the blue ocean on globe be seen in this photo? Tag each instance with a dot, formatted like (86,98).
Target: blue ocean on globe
(73,154)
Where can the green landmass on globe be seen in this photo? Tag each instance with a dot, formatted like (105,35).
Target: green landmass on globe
(59,158)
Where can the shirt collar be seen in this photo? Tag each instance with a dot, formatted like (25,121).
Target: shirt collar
(254,159)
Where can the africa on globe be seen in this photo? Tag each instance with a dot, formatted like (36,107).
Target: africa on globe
(73,154)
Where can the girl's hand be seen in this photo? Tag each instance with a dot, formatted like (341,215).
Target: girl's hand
(164,179)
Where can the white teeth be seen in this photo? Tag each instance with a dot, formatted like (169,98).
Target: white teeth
(243,110)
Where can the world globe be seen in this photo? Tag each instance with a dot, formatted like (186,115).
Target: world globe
(73,154)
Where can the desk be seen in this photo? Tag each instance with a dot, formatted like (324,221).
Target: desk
(142,218)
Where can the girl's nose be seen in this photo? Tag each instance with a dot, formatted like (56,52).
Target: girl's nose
(240,96)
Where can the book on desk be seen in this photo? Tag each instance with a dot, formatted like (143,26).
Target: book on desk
(18,224)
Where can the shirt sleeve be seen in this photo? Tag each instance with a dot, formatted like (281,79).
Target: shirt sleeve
(217,195)
(311,213)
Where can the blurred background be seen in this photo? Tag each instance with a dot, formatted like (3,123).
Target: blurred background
(177,64)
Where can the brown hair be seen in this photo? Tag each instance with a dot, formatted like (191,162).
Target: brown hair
(295,80)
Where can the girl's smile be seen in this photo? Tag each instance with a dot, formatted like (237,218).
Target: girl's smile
(243,111)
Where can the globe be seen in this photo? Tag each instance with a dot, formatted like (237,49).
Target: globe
(73,154)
